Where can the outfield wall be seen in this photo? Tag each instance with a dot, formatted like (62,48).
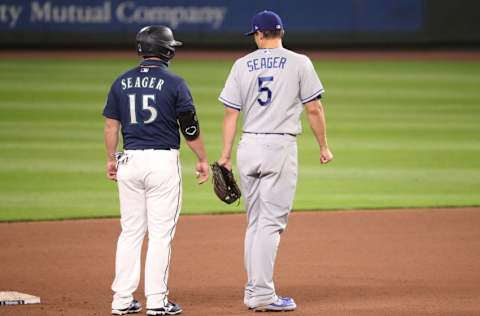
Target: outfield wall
(220,24)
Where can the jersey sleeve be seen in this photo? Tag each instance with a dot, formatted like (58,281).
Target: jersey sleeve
(310,86)
(230,95)
(184,98)
(111,109)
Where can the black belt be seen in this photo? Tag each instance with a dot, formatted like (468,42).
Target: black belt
(283,134)
(155,148)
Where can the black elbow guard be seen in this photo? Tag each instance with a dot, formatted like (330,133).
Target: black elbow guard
(189,125)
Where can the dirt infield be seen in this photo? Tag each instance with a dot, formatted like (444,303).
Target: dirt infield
(393,262)
(387,55)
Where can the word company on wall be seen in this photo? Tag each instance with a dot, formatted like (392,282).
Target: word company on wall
(127,12)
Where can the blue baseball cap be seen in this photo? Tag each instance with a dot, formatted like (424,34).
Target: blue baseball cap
(265,21)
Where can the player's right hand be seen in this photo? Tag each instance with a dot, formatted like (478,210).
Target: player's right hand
(202,171)
(325,155)
(112,170)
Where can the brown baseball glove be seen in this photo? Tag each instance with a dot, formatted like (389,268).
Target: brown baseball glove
(224,184)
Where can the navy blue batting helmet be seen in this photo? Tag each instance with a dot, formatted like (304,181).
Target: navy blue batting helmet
(156,41)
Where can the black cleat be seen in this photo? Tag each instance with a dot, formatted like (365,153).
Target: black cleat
(169,309)
(133,308)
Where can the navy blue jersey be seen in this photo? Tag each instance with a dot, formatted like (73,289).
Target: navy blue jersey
(147,100)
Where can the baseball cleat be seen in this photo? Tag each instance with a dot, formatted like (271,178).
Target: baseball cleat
(133,308)
(169,309)
(283,304)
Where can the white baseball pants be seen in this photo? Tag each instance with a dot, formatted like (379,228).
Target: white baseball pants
(267,166)
(150,191)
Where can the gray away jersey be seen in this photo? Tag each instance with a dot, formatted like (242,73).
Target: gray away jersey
(270,87)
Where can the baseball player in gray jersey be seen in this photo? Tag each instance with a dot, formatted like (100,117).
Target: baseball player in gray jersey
(271,86)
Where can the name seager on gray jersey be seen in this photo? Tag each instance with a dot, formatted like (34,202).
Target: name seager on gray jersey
(270,87)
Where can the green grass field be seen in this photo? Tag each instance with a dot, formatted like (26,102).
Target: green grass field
(404,134)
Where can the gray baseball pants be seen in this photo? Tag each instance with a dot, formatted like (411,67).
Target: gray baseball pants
(267,166)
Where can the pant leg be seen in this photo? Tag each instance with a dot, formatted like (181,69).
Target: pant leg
(252,223)
(164,198)
(134,225)
(248,168)
(277,189)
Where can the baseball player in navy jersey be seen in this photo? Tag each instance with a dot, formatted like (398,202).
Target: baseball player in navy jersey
(150,104)
(270,86)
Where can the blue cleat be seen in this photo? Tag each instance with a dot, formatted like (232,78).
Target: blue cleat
(283,304)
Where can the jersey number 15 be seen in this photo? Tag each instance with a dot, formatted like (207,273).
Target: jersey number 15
(146,98)
(262,89)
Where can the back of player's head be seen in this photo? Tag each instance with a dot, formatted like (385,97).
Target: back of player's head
(273,34)
(156,41)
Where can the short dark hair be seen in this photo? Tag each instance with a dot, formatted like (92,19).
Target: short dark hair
(273,34)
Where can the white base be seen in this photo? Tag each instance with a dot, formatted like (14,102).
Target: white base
(15,298)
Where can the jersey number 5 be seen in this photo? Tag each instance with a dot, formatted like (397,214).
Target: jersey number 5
(262,89)
(145,106)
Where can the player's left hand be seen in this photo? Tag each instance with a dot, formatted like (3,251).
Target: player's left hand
(112,170)
(325,155)
(202,171)
(226,162)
